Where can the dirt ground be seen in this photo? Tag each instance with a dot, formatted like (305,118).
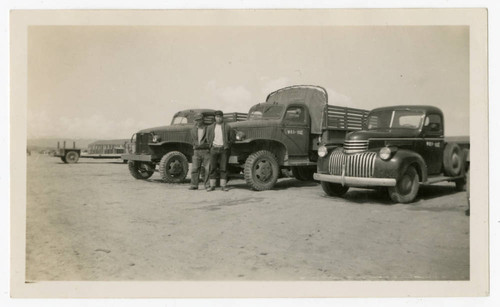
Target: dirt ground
(93,221)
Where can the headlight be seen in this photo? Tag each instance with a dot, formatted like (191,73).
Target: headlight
(322,151)
(156,138)
(385,153)
(240,135)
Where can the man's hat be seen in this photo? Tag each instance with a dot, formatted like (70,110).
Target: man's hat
(219,113)
(198,116)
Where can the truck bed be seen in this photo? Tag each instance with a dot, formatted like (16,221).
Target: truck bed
(344,118)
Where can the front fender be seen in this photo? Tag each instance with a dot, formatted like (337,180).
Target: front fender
(397,165)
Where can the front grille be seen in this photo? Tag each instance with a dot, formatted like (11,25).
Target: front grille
(142,140)
(354,146)
(356,165)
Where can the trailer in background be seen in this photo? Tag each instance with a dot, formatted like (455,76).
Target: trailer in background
(104,149)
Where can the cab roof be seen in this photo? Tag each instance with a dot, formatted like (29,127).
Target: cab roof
(192,112)
(424,108)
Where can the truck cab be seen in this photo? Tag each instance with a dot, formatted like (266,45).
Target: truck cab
(283,133)
(400,148)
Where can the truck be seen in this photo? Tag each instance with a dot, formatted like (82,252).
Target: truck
(400,148)
(104,149)
(282,134)
(168,147)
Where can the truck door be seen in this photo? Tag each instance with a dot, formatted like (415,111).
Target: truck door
(432,133)
(296,130)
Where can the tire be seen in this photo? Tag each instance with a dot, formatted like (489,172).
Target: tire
(174,167)
(141,170)
(63,159)
(261,170)
(453,161)
(406,188)
(304,173)
(71,157)
(334,189)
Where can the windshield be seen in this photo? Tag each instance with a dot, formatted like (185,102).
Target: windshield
(266,111)
(178,120)
(395,119)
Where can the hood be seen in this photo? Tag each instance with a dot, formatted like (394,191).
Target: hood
(171,128)
(255,123)
(382,134)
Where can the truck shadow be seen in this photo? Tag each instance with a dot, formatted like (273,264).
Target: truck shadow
(381,196)
(368,196)
(434,191)
(282,184)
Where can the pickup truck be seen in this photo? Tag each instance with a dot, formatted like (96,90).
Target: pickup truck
(168,147)
(282,134)
(400,148)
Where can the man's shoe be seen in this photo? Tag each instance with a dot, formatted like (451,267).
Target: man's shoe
(223,186)
(210,189)
(193,188)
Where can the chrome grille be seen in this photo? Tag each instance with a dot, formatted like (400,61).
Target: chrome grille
(354,146)
(357,165)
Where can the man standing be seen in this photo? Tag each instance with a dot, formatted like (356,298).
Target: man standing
(201,153)
(219,137)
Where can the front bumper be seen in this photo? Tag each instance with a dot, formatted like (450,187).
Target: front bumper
(356,181)
(134,157)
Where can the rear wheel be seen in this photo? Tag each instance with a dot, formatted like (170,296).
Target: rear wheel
(72,157)
(333,189)
(261,170)
(174,167)
(453,160)
(406,188)
(141,170)
(303,173)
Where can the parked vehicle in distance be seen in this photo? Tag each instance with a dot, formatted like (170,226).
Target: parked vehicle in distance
(400,148)
(103,149)
(283,133)
(168,147)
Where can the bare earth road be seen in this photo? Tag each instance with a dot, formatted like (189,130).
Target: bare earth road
(93,221)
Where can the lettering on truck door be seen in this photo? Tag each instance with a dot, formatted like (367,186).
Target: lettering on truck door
(433,143)
(296,130)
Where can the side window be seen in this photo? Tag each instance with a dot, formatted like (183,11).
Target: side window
(433,123)
(295,114)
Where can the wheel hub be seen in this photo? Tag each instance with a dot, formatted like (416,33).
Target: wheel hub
(263,170)
(175,168)
(405,184)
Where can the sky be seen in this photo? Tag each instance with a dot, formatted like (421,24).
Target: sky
(107,82)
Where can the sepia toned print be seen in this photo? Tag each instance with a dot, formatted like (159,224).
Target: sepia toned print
(337,153)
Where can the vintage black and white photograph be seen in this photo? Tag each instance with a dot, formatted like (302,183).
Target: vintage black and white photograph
(248,152)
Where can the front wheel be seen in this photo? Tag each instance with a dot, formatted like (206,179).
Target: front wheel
(333,189)
(261,170)
(141,170)
(406,188)
(174,167)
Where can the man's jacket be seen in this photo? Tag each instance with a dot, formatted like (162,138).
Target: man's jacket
(203,144)
(227,134)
